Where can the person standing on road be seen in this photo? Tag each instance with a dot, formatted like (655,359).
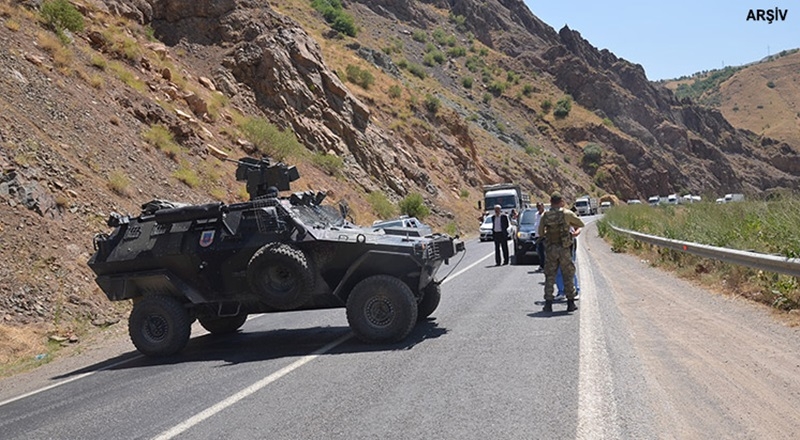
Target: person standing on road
(555,228)
(500,224)
(560,276)
(539,239)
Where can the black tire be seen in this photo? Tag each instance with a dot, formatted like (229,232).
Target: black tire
(280,273)
(159,325)
(381,308)
(220,326)
(432,294)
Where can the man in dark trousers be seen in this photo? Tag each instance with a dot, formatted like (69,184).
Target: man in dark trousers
(500,234)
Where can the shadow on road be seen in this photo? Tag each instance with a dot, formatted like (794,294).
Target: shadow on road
(242,347)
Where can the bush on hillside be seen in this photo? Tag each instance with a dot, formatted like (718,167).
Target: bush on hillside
(563,107)
(414,206)
(62,16)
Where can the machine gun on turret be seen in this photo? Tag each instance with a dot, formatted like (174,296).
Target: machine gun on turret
(260,175)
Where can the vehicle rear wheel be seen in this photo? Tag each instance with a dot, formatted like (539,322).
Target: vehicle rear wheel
(280,273)
(222,325)
(159,325)
(432,294)
(381,308)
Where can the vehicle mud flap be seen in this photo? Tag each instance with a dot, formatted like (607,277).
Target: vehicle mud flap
(280,273)
(381,308)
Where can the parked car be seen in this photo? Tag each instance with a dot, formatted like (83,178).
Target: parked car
(525,237)
(487,229)
(634,202)
(604,206)
(654,200)
(404,225)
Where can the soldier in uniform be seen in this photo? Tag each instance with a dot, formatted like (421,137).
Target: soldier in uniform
(555,228)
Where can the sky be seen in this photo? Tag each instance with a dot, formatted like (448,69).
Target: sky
(677,37)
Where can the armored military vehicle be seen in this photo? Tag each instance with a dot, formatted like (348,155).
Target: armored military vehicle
(219,262)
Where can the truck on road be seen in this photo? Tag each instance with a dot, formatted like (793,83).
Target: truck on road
(508,195)
(586,205)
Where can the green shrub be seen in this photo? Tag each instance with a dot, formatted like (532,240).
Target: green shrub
(473,64)
(432,103)
(381,205)
(395,91)
(335,15)
(357,75)
(456,52)
(497,88)
(592,153)
(459,20)
(439,36)
(433,58)
(417,70)
(269,139)
(527,90)
(512,77)
(563,107)
(547,105)
(770,84)
(330,163)
(467,82)
(486,98)
(61,16)
(464,194)
(419,36)
(414,206)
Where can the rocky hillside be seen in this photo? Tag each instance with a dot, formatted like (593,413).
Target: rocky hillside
(431,97)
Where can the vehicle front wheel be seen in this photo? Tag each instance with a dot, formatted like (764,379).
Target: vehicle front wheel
(432,294)
(381,308)
(159,325)
(220,326)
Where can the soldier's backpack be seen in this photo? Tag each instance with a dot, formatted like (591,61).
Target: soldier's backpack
(556,229)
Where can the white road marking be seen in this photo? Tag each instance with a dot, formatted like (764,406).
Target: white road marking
(467,268)
(66,381)
(202,332)
(597,410)
(211,411)
(203,415)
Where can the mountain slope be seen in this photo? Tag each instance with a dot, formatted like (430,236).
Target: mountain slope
(462,93)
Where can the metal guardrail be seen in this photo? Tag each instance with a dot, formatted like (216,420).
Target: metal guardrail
(771,263)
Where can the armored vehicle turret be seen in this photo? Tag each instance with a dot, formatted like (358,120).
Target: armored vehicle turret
(219,262)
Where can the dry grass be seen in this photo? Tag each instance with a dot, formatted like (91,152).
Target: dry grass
(764,227)
(19,347)
(125,75)
(12,25)
(160,137)
(748,102)
(119,182)
(186,174)
(62,55)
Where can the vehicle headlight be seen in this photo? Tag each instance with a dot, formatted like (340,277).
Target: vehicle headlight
(523,235)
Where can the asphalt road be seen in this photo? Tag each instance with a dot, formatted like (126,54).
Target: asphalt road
(487,365)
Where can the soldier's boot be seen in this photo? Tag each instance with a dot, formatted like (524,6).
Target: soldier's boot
(548,306)
(571,307)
